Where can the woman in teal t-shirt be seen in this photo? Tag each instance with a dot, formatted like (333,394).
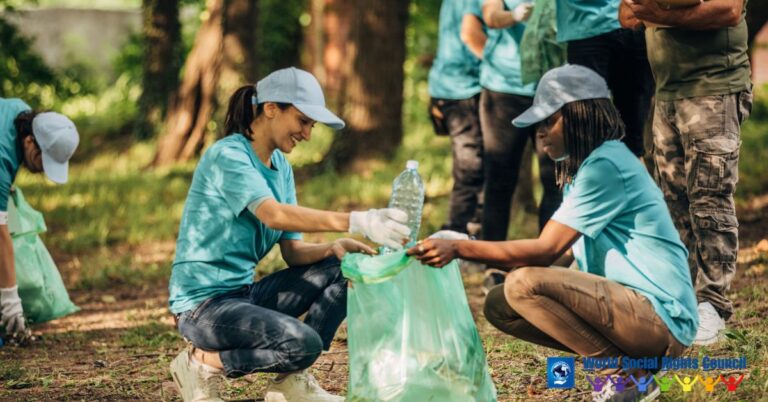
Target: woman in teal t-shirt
(242,201)
(632,295)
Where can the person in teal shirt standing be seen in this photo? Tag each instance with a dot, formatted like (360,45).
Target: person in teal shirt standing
(43,142)
(503,97)
(632,294)
(454,85)
(595,39)
(242,201)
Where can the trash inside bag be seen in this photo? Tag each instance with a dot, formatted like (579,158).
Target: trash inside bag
(42,292)
(411,333)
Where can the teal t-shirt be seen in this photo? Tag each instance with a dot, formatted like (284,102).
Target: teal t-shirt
(10,154)
(581,19)
(500,68)
(628,234)
(455,73)
(220,241)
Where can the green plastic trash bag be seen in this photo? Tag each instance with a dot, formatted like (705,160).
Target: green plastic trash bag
(42,292)
(411,333)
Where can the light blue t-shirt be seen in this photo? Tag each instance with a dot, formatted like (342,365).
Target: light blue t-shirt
(220,241)
(500,68)
(455,73)
(581,19)
(10,154)
(628,234)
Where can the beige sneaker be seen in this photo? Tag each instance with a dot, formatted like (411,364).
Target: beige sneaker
(299,387)
(196,382)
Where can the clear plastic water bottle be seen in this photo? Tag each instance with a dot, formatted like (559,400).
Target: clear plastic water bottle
(408,196)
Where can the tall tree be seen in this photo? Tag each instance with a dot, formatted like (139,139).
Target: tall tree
(194,101)
(162,61)
(373,92)
(222,58)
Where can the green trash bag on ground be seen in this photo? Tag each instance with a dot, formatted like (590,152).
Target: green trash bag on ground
(42,292)
(411,333)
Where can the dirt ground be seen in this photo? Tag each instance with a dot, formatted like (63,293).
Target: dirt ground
(119,345)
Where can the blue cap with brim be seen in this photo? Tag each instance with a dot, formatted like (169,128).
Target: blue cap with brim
(560,86)
(300,89)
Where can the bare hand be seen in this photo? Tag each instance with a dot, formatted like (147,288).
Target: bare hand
(340,247)
(646,10)
(434,252)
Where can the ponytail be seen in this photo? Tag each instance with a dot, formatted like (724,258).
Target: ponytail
(240,112)
(23,125)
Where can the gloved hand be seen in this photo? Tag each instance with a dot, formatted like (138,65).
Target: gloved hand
(384,226)
(11,312)
(522,12)
(449,235)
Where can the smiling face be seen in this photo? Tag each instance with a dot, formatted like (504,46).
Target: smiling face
(288,127)
(550,135)
(33,157)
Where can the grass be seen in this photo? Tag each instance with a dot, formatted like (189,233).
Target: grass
(112,231)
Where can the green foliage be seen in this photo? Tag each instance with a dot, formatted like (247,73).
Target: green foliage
(754,150)
(23,73)
(130,61)
(279,34)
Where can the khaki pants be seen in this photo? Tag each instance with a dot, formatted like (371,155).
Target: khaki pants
(696,150)
(580,313)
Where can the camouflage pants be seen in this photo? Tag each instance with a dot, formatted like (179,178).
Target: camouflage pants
(696,150)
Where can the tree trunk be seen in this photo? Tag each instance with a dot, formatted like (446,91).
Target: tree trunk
(757,16)
(337,26)
(191,111)
(374,88)
(239,57)
(162,61)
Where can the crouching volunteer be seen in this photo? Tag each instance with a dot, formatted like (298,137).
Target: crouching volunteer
(43,142)
(242,201)
(632,295)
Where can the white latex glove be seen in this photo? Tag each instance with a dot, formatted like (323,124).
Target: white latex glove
(449,235)
(384,226)
(11,312)
(522,12)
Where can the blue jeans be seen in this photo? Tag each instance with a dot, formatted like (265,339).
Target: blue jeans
(255,328)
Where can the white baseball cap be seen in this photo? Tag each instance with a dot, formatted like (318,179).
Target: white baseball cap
(565,84)
(300,89)
(57,137)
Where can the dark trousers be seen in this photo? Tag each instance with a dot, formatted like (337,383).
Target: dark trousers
(255,328)
(462,120)
(620,57)
(503,146)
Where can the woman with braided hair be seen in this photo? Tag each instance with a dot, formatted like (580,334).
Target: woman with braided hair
(632,295)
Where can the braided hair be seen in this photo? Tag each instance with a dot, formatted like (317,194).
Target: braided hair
(587,124)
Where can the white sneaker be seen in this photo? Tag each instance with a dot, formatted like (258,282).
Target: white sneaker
(710,325)
(196,382)
(299,387)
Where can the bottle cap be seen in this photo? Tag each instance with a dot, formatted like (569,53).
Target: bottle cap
(412,164)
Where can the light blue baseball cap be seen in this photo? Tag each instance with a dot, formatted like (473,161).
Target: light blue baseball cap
(565,84)
(300,89)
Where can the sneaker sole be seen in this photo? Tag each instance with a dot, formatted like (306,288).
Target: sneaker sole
(708,341)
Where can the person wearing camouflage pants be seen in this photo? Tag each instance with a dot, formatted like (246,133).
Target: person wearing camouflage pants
(703,95)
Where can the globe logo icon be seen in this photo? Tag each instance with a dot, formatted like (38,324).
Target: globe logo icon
(560,372)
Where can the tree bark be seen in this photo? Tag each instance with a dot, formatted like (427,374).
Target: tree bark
(162,61)
(373,97)
(194,102)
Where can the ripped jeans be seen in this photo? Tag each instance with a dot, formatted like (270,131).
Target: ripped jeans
(255,328)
